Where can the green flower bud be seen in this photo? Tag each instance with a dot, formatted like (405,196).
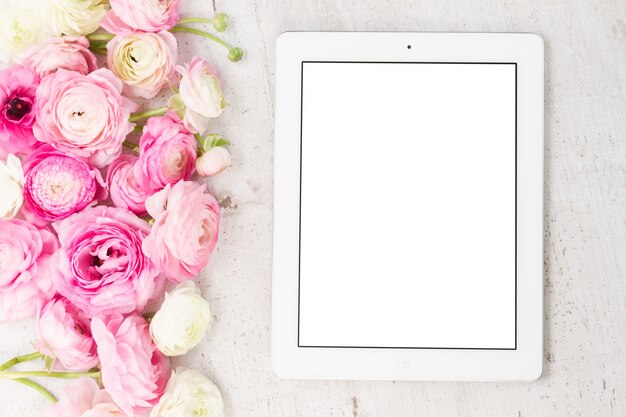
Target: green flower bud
(235,54)
(220,22)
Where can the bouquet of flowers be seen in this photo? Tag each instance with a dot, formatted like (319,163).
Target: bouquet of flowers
(100,212)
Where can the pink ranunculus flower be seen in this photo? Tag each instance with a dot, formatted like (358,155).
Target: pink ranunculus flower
(85,115)
(133,370)
(143,61)
(167,151)
(101,268)
(18,86)
(84,398)
(127,16)
(58,185)
(201,92)
(64,334)
(184,206)
(26,281)
(70,53)
(126,181)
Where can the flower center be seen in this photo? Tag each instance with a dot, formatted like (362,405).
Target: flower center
(16,108)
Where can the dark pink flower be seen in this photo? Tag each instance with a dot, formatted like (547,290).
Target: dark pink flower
(133,370)
(167,151)
(101,268)
(18,85)
(125,179)
(57,185)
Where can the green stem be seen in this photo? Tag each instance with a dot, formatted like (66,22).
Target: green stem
(20,359)
(45,374)
(128,144)
(148,113)
(100,37)
(187,29)
(138,129)
(37,388)
(99,51)
(195,19)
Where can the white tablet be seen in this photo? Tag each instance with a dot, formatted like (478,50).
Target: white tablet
(408,206)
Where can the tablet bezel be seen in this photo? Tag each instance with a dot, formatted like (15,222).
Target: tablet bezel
(523,363)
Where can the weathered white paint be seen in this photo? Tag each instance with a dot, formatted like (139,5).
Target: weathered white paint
(585,234)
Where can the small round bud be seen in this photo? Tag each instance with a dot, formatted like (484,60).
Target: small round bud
(235,54)
(221,21)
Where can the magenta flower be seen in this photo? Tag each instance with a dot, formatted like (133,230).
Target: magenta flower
(101,268)
(167,151)
(70,53)
(133,370)
(127,16)
(85,115)
(184,206)
(58,185)
(25,268)
(125,179)
(18,85)
(64,334)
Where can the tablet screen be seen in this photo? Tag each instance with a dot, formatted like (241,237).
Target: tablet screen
(408,205)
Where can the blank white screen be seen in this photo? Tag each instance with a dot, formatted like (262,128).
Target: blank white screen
(407,234)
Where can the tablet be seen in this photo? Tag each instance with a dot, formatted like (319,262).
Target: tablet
(408,208)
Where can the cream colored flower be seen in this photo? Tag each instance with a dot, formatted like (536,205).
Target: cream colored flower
(21,25)
(182,320)
(11,183)
(143,61)
(189,393)
(75,17)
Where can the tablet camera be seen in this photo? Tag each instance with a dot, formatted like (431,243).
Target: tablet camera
(408,47)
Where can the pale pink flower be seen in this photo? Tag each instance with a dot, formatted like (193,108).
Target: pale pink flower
(18,86)
(125,178)
(133,370)
(58,185)
(167,151)
(213,161)
(182,207)
(201,92)
(64,334)
(25,268)
(67,52)
(84,398)
(143,61)
(127,16)
(100,267)
(85,115)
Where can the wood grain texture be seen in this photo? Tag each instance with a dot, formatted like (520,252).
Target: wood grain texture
(585,229)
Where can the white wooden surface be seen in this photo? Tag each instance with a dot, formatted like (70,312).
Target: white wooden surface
(585,232)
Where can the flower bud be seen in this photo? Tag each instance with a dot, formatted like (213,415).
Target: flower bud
(213,161)
(235,54)
(220,22)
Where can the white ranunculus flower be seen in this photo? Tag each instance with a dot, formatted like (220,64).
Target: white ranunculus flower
(21,25)
(182,320)
(189,393)
(201,92)
(11,183)
(75,17)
